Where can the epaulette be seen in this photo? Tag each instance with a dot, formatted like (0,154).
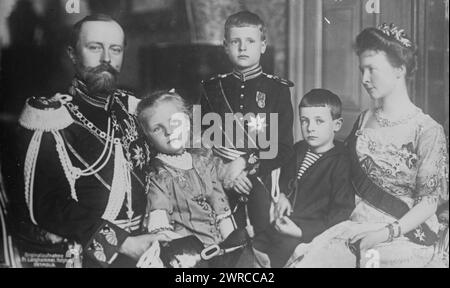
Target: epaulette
(132,104)
(218,76)
(45,114)
(123,93)
(280,80)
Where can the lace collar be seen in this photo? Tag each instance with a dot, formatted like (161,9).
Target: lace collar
(182,161)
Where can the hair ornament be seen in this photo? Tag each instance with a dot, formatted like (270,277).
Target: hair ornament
(396,33)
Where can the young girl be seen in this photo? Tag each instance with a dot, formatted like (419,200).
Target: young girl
(399,169)
(184,195)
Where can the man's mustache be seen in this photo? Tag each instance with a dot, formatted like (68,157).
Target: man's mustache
(104,67)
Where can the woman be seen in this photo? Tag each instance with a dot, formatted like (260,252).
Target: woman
(399,168)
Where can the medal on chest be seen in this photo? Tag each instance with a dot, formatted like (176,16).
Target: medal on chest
(261,99)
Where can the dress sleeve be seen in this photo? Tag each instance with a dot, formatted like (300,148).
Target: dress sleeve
(432,174)
(217,199)
(158,193)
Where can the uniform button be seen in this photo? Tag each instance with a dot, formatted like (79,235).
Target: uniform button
(242,96)
(243,86)
(241,107)
(226,209)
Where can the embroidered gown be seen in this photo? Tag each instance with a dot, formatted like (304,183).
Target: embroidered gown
(193,200)
(409,161)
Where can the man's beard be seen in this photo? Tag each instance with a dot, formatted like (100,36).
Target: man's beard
(99,80)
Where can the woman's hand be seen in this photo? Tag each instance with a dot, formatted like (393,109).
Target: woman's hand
(371,238)
(286,226)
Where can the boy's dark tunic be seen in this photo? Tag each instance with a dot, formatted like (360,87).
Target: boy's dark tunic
(322,198)
(254,92)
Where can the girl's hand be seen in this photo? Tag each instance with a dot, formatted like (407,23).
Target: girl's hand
(371,238)
(135,246)
(168,235)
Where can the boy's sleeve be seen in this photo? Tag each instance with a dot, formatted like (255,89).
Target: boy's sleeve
(341,206)
(203,100)
(285,135)
(288,175)
(311,228)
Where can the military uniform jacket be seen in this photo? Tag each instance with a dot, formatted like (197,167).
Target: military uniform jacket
(55,209)
(258,93)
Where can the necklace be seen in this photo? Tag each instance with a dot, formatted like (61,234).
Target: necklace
(386,122)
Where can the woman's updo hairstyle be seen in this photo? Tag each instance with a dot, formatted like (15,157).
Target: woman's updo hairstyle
(400,50)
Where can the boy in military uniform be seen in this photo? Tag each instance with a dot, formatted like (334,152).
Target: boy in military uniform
(247,90)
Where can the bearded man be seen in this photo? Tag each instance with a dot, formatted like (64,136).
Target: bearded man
(84,155)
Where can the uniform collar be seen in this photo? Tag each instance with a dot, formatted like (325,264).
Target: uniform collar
(79,89)
(248,75)
(338,148)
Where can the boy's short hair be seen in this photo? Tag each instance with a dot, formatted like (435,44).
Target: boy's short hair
(245,19)
(323,98)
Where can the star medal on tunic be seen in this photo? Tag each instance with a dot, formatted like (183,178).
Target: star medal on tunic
(257,123)
(419,235)
(261,99)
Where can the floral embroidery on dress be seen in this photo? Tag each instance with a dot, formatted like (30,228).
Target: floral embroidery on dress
(372,145)
(392,157)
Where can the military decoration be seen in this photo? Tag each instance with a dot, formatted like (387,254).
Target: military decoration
(261,99)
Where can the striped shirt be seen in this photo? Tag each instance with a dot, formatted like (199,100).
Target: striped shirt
(308,161)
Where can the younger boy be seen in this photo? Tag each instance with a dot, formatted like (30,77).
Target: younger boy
(248,90)
(316,181)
